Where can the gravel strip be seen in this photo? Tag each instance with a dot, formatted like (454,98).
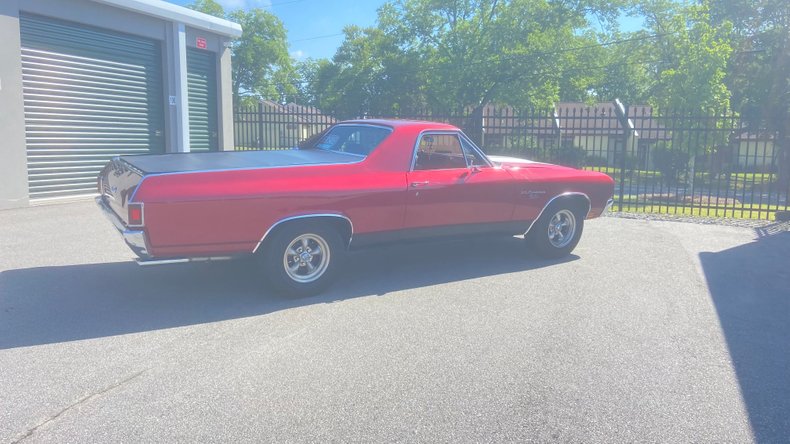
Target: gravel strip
(745,223)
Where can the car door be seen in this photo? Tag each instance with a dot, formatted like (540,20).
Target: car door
(452,187)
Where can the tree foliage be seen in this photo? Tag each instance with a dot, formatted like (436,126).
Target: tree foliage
(262,67)
(759,73)
(449,54)
(210,7)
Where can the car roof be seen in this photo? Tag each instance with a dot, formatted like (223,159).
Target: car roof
(400,123)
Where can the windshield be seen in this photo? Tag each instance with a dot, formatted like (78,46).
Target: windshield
(352,139)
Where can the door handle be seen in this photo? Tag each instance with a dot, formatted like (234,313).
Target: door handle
(419,184)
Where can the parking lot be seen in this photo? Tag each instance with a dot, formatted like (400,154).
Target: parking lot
(651,331)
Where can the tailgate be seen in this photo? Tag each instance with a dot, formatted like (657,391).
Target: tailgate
(117,183)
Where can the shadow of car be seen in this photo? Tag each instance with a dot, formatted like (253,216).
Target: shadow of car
(66,303)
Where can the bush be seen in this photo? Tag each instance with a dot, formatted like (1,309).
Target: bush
(570,155)
(631,162)
(597,161)
(670,162)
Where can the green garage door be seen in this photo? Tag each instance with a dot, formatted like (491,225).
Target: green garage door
(89,95)
(202,86)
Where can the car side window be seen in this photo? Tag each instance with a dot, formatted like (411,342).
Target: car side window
(439,152)
(352,139)
(473,156)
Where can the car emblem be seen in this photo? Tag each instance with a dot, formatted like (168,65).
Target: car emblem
(532,194)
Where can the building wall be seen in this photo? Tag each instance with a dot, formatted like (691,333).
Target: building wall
(13,153)
(13,157)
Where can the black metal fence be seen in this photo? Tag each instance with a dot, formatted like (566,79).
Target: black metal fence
(702,164)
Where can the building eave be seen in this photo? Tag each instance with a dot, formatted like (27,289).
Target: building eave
(174,13)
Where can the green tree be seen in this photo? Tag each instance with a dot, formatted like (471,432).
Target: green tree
(369,74)
(626,69)
(680,68)
(209,7)
(690,56)
(759,73)
(477,52)
(262,67)
(454,54)
(308,91)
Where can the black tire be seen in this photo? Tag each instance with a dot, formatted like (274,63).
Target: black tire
(273,261)
(541,239)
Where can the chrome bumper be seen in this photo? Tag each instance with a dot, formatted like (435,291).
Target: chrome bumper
(135,239)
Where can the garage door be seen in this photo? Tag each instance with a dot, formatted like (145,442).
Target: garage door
(89,95)
(202,87)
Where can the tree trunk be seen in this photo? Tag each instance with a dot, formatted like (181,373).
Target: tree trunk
(475,130)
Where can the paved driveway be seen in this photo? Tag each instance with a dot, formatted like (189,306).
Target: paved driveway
(652,331)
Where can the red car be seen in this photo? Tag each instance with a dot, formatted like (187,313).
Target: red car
(359,183)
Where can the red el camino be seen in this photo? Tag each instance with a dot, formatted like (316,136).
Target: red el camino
(357,184)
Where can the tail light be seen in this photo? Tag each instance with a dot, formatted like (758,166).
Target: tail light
(136,216)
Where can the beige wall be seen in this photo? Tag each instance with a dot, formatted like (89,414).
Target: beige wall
(13,157)
(755,154)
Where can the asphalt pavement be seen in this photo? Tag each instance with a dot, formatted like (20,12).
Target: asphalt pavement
(650,332)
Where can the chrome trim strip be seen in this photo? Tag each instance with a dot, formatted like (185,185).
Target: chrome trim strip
(550,201)
(147,262)
(304,216)
(477,149)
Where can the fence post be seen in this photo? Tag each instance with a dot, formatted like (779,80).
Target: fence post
(260,125)
(628,129)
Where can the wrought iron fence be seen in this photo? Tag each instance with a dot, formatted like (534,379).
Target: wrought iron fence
(701,164)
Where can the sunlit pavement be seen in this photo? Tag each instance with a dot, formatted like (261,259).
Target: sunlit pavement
(651,331)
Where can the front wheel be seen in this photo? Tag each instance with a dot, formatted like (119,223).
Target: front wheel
(557,232)
(302,259)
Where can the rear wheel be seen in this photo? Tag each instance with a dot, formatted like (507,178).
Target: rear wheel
(557,232)
(302,259)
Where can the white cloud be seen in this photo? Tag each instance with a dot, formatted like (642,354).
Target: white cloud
(298,54)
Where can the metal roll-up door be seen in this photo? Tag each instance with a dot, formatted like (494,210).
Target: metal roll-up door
(89,94)
(202,88)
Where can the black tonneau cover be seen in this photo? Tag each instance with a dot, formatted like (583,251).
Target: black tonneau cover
(225,160)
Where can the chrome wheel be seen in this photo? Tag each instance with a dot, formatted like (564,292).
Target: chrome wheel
(562,227)
(306,258)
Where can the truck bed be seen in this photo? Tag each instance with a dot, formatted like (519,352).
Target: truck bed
(120,178)
(227,160)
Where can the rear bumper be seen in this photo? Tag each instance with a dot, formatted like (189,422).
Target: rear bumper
(135,239)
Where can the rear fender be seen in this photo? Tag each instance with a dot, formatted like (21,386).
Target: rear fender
(341,222)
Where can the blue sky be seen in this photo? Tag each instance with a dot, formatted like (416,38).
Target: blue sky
(307,19)
(313,25)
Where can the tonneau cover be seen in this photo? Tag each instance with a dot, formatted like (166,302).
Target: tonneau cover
(224,160)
